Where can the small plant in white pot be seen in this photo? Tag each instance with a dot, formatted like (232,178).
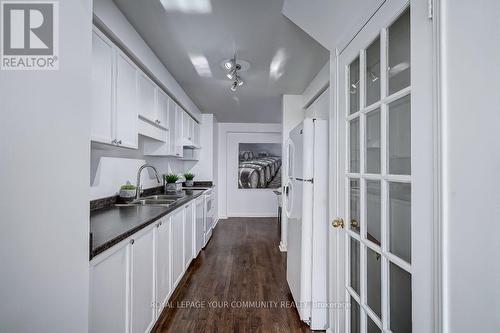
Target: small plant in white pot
(189,179)
(171,182)
(127,191)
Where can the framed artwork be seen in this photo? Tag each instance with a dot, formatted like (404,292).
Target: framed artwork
(259,165)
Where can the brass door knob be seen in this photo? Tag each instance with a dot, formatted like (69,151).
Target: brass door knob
(338,223)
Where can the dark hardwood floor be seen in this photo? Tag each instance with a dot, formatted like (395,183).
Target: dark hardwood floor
(237,284)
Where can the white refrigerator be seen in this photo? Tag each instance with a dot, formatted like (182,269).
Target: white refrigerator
(306,206)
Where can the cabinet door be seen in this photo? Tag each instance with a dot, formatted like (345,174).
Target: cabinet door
(147,98)
(185,125)
(172,126)
(196,134)
(200,218)
(163,271)
(101,112)
(179,131)
(188,234)
(109,291)
(177,246)
(126,102)
(162,108)
(191,130)
(142,283)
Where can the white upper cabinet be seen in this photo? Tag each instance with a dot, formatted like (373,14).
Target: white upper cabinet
(179,138)
(126,102)
(162,108)
(114,94)
(102,88)
(172,128)
(147,98)
(186,125)
(196,135)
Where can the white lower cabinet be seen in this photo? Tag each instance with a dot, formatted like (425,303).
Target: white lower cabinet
(163,270)
(142,299)
(109,290)
(132,281)
(199,223)
(177,246)
(188,234)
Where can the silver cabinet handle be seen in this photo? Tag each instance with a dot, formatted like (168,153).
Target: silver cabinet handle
(132,241)
(114,142)
(119,142)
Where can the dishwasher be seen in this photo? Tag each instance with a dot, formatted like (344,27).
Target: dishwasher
(209,216)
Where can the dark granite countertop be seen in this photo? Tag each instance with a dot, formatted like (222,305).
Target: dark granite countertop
(109,226)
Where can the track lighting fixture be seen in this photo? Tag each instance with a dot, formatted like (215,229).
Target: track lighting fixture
(234,67)
(234,86)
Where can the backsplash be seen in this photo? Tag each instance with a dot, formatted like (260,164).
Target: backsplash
(112,168)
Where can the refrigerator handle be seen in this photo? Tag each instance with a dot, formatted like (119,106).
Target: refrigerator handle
(305,180)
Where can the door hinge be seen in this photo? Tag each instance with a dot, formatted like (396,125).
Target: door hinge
(430,9)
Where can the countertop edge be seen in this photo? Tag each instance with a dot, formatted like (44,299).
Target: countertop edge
(109,244)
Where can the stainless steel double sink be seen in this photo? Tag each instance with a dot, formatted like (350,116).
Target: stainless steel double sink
(154,200)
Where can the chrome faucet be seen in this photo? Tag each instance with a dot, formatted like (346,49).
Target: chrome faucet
(138,189)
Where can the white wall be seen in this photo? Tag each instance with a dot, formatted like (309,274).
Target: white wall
(44,158)
(330,22)
(243,202)
(114,21)
(471,120)
(318,84)
(320,108)
(205,168)
(113,167)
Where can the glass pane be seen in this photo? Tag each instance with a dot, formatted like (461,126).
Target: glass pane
(372,327)
(354,205)
(373,281)
(354,145)
(399,53)
(373,72)
(354,251)
(373,142)
(400,300)
(373,211)
(400,136)
(400,220)
(354,86)
(355,316)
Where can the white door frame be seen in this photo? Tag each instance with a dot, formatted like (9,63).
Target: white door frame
(426,175)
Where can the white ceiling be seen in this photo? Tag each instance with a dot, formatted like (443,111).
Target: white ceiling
(193,30)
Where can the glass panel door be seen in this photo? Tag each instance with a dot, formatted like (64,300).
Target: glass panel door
(376,181)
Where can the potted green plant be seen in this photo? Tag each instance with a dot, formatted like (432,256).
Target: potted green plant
(171,182)
(127,191)
(189,178)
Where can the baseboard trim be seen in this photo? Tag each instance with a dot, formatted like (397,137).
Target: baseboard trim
(283,247)
(253,215)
